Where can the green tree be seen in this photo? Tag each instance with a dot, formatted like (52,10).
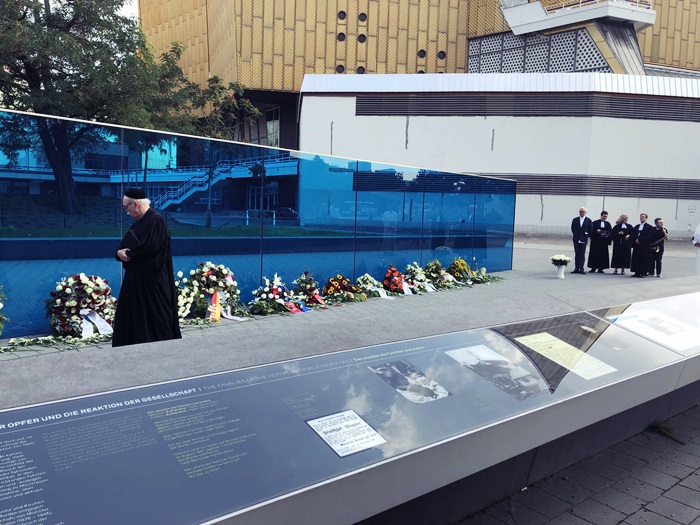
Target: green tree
(74,59)
(82,60)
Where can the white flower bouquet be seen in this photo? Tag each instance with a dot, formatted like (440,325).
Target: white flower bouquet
(203,281)
(560,260)
(271,297)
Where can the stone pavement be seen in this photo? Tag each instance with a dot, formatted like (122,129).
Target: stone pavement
(647,479)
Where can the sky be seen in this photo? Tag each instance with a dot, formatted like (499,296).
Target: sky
(130,8)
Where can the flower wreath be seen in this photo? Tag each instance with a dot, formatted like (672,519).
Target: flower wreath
(77,296)
(460,270)
(204,280)
(306,290)
(393,280)
(437,276)
(271,297)
(368,285)
(416,278)
(339,289)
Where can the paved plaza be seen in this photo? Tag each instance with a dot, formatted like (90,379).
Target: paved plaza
(650,478)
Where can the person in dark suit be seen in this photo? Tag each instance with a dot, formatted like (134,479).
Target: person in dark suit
(641,247)
(658,236)
(599,256)
(581,230)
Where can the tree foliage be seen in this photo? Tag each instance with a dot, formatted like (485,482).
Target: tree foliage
(81,59)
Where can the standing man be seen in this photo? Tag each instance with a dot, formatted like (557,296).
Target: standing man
(599,256)
(641,247)
(147,304)
(580,228)
(658,236)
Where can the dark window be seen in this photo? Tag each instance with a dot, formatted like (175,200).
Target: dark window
(361,38)
(339,69)
(342,15)
(442,55)
(362,17)
(421,53)
(421,72)
(341,36)
(360,70)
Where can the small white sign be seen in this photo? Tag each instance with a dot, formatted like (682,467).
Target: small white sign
(346,432)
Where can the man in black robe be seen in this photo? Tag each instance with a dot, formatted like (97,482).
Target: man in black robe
(599,256)
(147,304)
(641,247)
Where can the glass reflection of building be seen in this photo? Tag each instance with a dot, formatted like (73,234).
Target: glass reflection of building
(258,210)
(579,330)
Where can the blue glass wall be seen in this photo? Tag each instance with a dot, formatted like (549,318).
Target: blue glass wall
(257,210)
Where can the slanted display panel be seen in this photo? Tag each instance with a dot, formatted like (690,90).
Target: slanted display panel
(195,450)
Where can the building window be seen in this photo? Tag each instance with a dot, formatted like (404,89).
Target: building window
(361,70)
(339,69)
(361,39)
(442,55)
(342,15)
(422,53)
(362,17)
(341,37)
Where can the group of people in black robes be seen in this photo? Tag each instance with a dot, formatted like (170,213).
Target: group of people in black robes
(147,304)
(639,249)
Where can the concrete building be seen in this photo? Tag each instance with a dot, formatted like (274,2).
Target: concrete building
(582,102)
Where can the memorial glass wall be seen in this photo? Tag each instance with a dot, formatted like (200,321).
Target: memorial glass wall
(257,210)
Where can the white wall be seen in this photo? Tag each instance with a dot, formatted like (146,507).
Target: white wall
(501,145)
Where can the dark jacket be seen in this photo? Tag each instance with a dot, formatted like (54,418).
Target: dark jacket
(580,233)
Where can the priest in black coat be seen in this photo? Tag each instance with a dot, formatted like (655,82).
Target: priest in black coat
(599,255)
(147,304)
(641,247)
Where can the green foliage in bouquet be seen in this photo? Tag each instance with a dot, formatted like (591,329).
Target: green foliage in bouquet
(416,278)
(270,297)
(437,276)
(368,285)
(460,270)
(306,289)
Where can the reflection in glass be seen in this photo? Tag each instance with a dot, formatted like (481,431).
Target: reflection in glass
(256,209)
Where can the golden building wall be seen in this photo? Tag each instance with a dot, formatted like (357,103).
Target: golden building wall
(486,18)
(185,21)
(673,40)
(271,44)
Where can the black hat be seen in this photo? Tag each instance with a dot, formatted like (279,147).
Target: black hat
(135,193)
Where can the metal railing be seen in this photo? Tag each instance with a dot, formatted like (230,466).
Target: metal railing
(222,169)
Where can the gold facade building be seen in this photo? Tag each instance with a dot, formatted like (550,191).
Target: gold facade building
(269,45)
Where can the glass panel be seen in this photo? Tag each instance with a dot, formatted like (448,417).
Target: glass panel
(389,218)
(449,216)
(387,400)
(494,218)
(254,209)
(671,322)
(319,235)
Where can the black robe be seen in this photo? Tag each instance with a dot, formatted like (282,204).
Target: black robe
(641,249)
(147,304)
(622,248)
(598,256)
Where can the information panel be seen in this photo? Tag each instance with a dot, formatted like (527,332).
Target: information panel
(195,450)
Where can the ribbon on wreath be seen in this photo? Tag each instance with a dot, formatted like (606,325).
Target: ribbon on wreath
(218,308)
(91,320)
